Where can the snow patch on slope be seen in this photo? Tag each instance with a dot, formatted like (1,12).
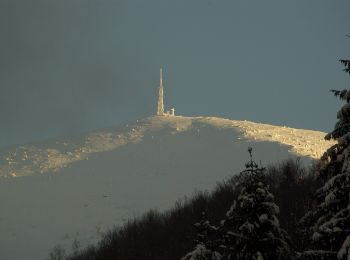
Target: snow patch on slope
(303,142)
(89,183)
(44,157)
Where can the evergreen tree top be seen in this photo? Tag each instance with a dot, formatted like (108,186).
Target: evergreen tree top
(330,218)
(251,228)
(346,63)
(252,170)
(342,127)
(342,94)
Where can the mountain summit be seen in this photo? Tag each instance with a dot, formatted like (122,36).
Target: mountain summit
(55,191)
(55,155)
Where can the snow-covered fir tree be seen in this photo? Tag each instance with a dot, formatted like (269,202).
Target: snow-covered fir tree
(206,242)
(329,222)
(251,228)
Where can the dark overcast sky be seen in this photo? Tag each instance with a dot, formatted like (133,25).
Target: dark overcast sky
(69,66)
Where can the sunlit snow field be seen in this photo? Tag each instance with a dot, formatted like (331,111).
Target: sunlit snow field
(53,192)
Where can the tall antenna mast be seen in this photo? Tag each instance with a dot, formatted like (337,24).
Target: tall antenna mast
(161,76)
(160,107)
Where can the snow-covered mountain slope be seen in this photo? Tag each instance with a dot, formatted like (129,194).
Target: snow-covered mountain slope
(55,191)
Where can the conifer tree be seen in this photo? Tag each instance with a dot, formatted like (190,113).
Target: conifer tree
(206,242)
(251,229)
(330,220)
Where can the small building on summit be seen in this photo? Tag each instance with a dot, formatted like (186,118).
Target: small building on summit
(160,105)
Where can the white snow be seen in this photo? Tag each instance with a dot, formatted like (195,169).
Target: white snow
(261,191)
(263,218)
(329,198)
(77,187)
(345,249)
(47,157)
(201,252)
(259,256)
(272,206)
(247,226)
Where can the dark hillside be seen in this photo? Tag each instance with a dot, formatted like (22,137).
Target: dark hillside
(169,235)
